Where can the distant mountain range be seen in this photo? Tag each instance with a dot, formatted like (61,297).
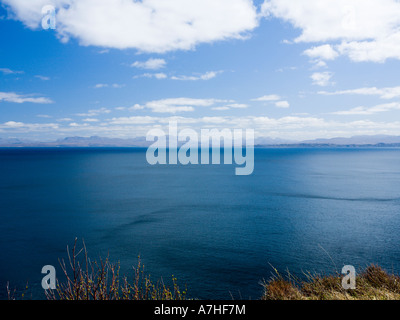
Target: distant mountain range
(78,142)
(356,141)
(140,142)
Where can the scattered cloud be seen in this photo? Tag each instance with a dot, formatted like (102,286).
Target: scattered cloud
(369,110)
(94,112)
(231,106)
(176,105)
(132,108)
(16,126)
(149,26)
(42,78)
(17,98)
(363,30)
(90,120)
(105,85)
(289,127)
(220,108)
(158,76)
(383,93)
(206,76)
(324,52)
(267,98)
(64,120)
(322,79)
(282,104)
(7,71)
(100,85)
(276,99)
(151,64)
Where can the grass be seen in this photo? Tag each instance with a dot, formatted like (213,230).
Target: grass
(373,283)
(91,280)
(84,279)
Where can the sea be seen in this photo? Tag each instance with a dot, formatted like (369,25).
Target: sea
(302,211)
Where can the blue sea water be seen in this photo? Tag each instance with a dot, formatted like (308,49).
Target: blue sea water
(301,210)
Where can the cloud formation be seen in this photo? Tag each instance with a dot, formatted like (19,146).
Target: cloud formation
(322,79)
(383,93)
(176,105)
(17,98)
(367,30)
(206,76)
(369,110)
(151,64)
(149,25)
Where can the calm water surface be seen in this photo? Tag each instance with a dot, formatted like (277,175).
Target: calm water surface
(302,210)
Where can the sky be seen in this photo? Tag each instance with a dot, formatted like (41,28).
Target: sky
(288,69)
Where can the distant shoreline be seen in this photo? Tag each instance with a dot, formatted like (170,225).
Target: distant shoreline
(374,141)
(280,146)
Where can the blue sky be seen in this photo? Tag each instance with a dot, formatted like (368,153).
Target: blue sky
(118,68)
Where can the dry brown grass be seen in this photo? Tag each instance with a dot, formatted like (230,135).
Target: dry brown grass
(371,284)
(84,279)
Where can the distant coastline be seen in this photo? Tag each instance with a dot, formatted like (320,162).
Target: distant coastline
(377,141)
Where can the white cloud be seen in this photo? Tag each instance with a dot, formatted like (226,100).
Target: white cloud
(322,79)
(17,98)
(13,124)
(94,112)
(117,85)
(133,108)
(220,108)
(43,78)
(282,104)
(367,29)
(133,120)
(90,120)
(105,85)
(148,25)
(158,76)
(324,52)
(378,50)
(64,120)
(28,127)
(231,106)
(271,97)
(7,71)
(238,106)
(383,93)
(207,76)
(276,99)
(176,105)
(100,85)
(370,110)
(151,64)
(291,127)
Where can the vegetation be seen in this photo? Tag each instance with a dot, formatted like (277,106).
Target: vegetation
(92,280)
(371,284)
(84,279)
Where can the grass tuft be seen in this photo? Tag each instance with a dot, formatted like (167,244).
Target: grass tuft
(373,283)
(100,280)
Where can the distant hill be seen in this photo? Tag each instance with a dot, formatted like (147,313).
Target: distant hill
(358,140)
(78,142)
(140,142)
